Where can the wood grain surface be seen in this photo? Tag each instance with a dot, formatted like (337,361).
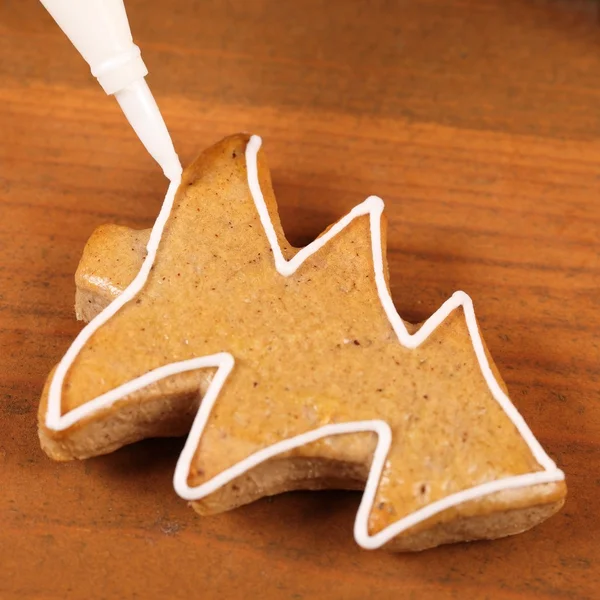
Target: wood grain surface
(478,121)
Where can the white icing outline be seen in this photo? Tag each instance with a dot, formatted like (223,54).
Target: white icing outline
(372,206)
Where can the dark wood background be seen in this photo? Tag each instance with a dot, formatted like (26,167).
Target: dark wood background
(478,121)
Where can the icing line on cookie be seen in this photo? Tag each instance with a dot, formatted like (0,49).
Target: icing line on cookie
(384,434)
(373,207)
(54,419)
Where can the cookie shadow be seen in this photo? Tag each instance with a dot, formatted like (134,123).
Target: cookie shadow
(142,465)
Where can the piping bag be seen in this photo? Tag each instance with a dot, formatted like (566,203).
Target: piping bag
(99,29)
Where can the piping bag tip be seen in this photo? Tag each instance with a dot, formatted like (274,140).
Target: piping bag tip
(173,170)
(143,114)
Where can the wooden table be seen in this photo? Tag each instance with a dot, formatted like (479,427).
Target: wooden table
(478,121)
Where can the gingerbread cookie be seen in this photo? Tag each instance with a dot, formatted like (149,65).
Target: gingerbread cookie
(291,369)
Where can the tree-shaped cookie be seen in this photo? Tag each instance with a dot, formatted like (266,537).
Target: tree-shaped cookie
(292,369)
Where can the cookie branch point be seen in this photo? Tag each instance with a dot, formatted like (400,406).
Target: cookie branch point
(224,362)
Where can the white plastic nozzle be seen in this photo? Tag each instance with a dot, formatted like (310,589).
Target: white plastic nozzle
(139,106)
(99,29)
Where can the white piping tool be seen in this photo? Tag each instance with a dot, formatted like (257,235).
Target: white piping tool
(99,29)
